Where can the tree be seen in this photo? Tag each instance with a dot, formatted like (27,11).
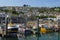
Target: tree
(15,13)
(21,12)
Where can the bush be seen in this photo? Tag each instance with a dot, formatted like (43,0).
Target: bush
(40,17)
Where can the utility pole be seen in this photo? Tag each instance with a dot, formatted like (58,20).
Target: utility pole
(38,25)
(38,34)
(2,27)
(25,22)
(6,22)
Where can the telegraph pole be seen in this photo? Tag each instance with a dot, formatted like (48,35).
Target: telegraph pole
(38,34)
(6,22)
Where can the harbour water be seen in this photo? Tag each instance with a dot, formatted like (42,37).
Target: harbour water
(47,36)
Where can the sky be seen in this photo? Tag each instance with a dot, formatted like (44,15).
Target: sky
(34,3)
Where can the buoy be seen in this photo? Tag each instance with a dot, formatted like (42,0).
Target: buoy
(43,30)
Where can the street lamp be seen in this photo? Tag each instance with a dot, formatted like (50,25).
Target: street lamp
(26,19)
(38,26)
(38,23)
(6,22)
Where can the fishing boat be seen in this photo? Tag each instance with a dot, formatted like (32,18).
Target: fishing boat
(11,30)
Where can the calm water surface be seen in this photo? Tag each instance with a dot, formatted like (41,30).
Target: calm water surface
(48,36)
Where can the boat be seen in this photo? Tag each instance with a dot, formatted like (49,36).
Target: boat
(11,30)
(28,32)
(43,30)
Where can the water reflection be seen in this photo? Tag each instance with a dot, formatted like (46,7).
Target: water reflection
(59,36)
(48,36)
(2,38)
